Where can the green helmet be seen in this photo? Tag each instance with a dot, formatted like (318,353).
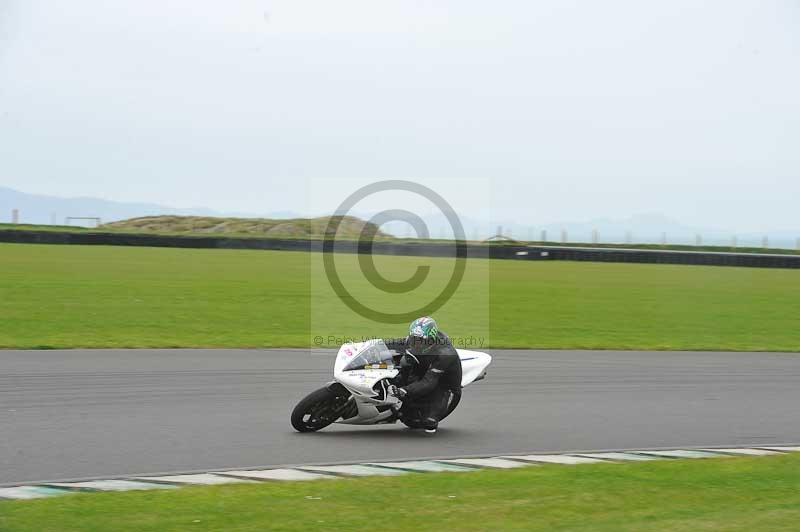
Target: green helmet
(424,327)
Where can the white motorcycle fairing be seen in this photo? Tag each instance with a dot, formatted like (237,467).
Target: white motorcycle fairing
(363,368)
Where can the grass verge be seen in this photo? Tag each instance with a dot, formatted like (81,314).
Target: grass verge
(105,296)
(733,494)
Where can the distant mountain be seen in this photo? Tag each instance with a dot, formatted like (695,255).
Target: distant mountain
(41,209)
(650,228)
(641,228)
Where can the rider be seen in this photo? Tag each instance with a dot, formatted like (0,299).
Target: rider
(431,370)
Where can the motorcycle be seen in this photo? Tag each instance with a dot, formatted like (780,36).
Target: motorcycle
(359,393)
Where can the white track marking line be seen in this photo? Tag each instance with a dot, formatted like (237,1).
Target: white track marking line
(493,463)
(30,492)
(629,456)
(743,451)
(201,479)
(274,474)
(680,453)
(356,470)
(424,466)
(109,485)
(555,459)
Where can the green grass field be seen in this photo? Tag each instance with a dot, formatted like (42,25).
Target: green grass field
(93,296)
(726,494)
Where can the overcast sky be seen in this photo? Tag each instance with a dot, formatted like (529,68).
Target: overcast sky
(567,110)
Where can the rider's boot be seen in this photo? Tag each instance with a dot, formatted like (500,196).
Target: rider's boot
(431,424)
(396,414)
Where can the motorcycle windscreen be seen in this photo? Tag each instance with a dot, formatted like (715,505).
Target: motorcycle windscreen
(375,356)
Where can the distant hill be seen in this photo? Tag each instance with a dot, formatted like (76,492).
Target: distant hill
(42,209)
(642,228)
(269,227)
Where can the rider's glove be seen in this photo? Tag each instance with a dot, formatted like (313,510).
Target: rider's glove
(397,392)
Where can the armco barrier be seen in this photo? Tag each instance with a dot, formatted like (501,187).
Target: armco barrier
(504,251)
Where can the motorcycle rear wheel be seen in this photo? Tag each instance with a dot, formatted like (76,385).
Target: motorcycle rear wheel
(317,410)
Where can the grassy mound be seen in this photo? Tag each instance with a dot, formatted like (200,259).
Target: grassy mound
(296,228)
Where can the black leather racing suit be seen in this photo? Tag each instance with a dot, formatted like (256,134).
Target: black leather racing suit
(429,380)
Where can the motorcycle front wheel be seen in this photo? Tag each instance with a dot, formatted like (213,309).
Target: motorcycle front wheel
(317,410)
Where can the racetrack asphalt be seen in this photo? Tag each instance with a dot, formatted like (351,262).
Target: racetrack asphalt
(105,413)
